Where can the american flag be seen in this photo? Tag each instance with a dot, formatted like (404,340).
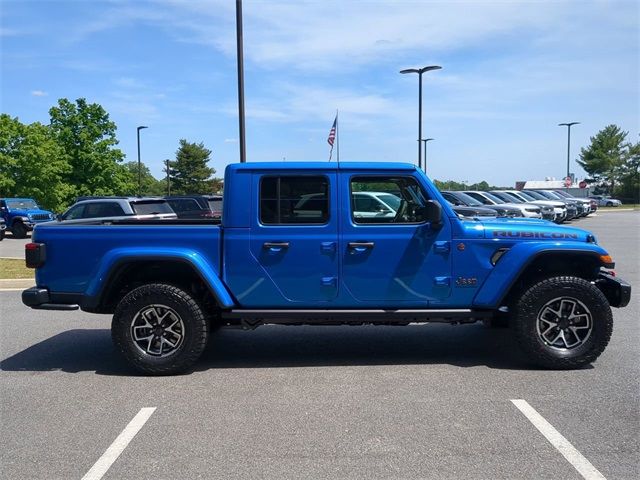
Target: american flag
(332,133)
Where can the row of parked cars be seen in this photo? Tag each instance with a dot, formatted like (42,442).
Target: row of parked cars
(21,215)
(555,205)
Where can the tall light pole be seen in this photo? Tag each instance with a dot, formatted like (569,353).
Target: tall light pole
(139,164)
(166,162)
(243,148)
(425,140)
(568,125)
(420,71)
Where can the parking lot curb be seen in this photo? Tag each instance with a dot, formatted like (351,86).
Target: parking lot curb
(13,283)
(609,210)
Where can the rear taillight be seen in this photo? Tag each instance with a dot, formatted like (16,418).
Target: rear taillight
(35,254)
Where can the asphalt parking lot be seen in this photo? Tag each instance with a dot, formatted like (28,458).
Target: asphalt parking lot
(429,401)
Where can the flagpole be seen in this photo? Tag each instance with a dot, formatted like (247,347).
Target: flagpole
(337,138)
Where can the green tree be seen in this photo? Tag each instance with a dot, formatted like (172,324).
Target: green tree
(629,187)
(32,164)
(604,158)
(150,185)
(88,139)
(189,171)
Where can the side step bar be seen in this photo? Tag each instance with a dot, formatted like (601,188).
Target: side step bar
(332,317)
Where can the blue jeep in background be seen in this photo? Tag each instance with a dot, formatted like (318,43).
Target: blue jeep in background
(22,214)
(304,243)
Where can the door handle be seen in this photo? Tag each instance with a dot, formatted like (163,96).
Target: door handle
(360,246)
(275,245)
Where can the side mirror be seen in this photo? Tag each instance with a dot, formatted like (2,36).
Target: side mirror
(432,213)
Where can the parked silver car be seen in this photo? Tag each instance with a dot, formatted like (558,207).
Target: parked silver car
(104,209)
(604,201)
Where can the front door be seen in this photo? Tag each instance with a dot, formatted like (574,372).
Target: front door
(390,257)
(295,238)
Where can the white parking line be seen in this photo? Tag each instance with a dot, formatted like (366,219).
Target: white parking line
(119,444)
(568,451)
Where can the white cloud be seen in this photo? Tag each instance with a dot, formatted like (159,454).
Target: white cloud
(39,93)
(230,140)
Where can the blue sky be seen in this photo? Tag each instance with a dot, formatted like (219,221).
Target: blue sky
(511,72)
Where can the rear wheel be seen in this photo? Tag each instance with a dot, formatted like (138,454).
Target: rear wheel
(160,329)
(563,323)
(19,230)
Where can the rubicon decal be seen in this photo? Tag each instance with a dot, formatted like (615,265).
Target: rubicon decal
(517,234)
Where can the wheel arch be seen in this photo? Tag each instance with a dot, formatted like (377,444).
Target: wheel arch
(506,281)
(189,272)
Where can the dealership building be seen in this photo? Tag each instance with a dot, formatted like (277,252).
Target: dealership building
(578,188)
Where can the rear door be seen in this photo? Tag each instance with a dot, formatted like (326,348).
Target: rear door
(294,238)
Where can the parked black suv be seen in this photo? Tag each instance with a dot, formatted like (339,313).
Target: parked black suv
(196,206)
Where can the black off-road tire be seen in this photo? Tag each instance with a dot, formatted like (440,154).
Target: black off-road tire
(525,321)
(2,235)
(18,230)
(195,331)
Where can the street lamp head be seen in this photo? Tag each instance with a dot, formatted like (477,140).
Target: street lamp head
(428,139)
(141,127)
(421,70)
(568,124)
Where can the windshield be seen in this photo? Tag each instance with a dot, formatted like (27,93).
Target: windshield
(542,196)
(562,194)
(528,196)
(516,197)
(551,195)
(508,198)
(493,197)
(24,204)
(468,199)
(151,208)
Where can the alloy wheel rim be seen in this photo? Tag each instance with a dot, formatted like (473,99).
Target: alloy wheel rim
(564,323)
(157,330)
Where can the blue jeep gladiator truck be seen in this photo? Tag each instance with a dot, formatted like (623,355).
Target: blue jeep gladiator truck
(22,214)
(326,244)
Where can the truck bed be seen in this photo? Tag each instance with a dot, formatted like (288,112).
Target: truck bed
(89,252)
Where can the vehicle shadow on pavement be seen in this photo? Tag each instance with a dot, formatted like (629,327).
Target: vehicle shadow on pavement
(86,350)
(73,351)
(281,346)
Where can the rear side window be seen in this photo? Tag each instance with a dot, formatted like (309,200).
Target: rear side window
(215,204)
(294,200)
(74,213)
(151,208)
(180,205)
(102,209)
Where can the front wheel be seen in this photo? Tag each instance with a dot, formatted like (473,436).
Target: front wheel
(19,230)
(159,329)
(563,323)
